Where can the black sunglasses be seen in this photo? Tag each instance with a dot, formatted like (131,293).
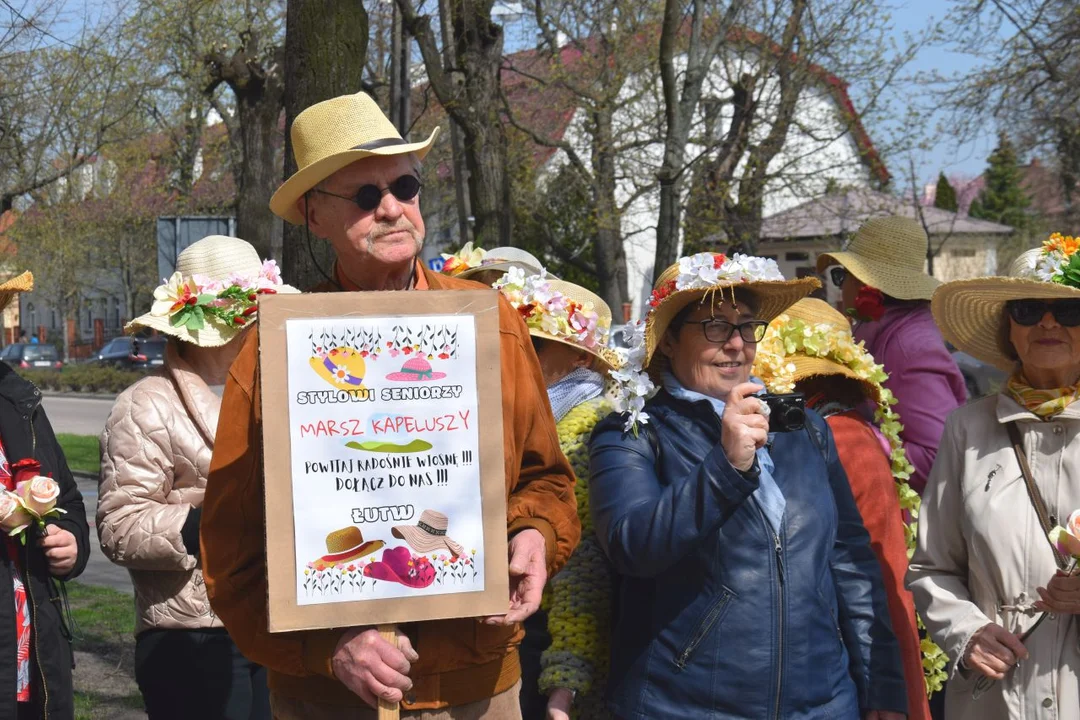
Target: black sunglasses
(1030,312)
(838,275)
(720,331)
(368,197)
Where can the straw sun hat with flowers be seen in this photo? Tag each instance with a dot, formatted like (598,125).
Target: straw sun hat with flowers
(888,253)
(971,313)
(213,294)
(812,339)
(561,312)
(705,277)
(332,134)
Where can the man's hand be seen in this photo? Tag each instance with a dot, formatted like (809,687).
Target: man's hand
(1061,595)
(559,703)
(528,574)
(883,715)
(745,429)
(61,550)
(373,668)
(994,651)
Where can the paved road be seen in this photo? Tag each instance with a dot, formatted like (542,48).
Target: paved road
(77,415)
(99,571)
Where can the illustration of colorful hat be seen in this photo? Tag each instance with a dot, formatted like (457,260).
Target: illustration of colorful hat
(398,565)
(348,544)
(416,369)
(342,367)
(428,534)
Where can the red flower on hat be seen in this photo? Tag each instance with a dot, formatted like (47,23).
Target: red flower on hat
(661,292)
(718,260)
(869,304)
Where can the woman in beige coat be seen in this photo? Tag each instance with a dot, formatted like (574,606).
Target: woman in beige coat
(984,573)
(156,450)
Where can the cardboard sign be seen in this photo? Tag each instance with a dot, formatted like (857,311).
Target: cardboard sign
(383,457)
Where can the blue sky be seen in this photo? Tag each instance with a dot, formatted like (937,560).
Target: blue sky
(969,158)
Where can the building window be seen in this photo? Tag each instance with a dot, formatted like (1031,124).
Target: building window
(116,312)
(796,256)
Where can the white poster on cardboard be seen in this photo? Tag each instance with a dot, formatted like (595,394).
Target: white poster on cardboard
(385,477)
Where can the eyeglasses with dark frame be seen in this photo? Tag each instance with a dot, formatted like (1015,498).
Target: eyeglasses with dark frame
(720,331)
(368,197)
(1030,312)
(838,275)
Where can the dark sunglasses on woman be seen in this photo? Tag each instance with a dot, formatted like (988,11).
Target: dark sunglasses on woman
(838,275)
(368,197)
(1030,312)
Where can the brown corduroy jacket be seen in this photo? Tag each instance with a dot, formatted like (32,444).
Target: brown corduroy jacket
(461,661)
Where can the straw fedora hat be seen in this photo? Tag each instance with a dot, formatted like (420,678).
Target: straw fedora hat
(332,134)
(888,253)
(690,280)
(10,288)
(800,365)
(536,294)
(971,313)
(204,269)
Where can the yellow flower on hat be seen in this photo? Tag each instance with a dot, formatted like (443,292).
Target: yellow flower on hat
(173,295)
(464,259)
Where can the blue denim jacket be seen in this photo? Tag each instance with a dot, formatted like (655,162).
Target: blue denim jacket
(717,616)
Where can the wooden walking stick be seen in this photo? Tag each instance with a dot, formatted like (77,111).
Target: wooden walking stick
(389,710)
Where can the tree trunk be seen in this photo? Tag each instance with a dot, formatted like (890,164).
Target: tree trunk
(470,94)
(609,256)
(325,52)
(259,111)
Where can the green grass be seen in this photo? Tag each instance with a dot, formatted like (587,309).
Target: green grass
(82,452)
(104,626)
(104,618)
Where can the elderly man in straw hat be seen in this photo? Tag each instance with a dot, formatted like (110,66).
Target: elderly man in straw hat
(887,292)
(993,590)
(358,187)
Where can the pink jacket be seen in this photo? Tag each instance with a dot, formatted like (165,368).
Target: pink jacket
(922,375)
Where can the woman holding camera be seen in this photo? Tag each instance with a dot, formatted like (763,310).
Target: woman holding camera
(748,586)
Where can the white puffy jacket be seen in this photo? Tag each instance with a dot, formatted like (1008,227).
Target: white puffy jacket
(156,450)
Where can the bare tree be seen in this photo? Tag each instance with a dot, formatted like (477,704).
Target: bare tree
(469,93)
(62,99)
(254,73)
(1029,82)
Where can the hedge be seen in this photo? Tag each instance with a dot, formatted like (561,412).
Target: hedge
(83,378)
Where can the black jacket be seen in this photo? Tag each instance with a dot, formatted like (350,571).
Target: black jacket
(26,433)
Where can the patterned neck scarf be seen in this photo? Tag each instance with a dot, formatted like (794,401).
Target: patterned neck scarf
(567,393)
(1044,403)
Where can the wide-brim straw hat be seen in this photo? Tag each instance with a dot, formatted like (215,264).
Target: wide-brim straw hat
(332,134)
(10,288)
(502,259)
(607,359)
(889,254)
(812,311)
(773,298)
(216,258)
(971,313)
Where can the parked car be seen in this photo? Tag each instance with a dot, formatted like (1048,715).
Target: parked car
(132,353)
(25,355)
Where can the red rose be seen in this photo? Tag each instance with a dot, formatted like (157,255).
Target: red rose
(25,469)
(869,304)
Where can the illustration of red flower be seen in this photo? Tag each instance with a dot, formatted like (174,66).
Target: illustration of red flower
(444,356)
